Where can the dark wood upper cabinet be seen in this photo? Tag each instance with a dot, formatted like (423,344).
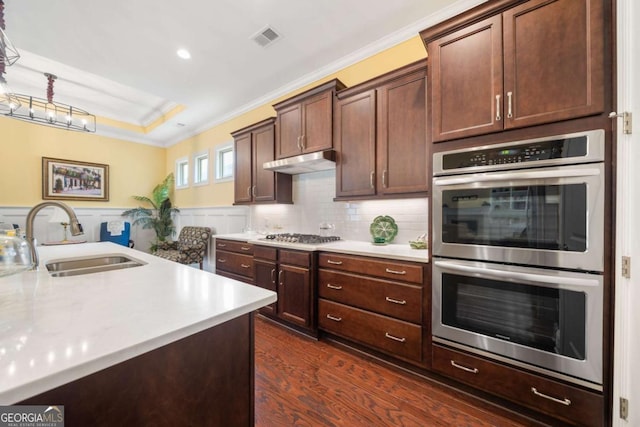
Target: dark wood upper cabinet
(401,136)
(253,146)
(539,62)
(380,135)
(304,122)
(355,124)
(243,165)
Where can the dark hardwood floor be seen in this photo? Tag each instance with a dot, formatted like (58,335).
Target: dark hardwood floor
(302,382)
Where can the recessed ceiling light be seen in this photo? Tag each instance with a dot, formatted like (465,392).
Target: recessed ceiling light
(183,53)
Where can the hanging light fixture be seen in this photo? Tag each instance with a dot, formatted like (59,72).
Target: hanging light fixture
(31,108)
(49,113)
(7,49)
(8,55)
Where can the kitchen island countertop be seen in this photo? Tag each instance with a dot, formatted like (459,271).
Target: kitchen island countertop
(55,330)
(353,247)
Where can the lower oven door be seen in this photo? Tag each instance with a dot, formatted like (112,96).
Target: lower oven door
(546,320)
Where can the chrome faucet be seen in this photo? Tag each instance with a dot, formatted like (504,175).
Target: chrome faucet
(76,227)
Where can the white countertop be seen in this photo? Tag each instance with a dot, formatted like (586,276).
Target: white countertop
(354,247)
(54,330)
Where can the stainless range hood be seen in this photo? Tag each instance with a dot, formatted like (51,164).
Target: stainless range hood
(304,163)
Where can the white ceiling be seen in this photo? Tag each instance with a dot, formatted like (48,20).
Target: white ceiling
(117,59)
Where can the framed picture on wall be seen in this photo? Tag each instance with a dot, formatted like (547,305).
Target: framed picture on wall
(74,180)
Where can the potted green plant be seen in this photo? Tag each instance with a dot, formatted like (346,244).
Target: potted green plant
(159,216)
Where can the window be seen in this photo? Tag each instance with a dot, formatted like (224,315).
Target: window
(201,168)
(182,173)
(224,162)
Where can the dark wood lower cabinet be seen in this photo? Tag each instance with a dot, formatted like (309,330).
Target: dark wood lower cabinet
(234,259)
(291,275)
(570,404)
(206,379)
(398,338)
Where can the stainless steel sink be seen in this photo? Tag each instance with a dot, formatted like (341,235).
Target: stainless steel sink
(91,264)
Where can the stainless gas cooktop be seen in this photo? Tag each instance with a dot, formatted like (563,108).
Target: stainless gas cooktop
(310,239)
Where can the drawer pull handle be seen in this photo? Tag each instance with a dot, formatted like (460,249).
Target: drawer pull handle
(334,262)
(222,245)
(564,401)
(337,287)
(334,318)
(464,368)
(222,260)
(245,265)
(388,270)
(392,337)
(280,277)
(273,276)
(396,301)
(245,248)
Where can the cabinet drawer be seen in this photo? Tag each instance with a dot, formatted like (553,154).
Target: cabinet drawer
(390,269)
(302,259)
(265,252)
(382,296)
(571,404)
(389,335)
(235,263)
(234,246)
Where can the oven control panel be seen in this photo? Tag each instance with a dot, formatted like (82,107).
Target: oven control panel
(528,152)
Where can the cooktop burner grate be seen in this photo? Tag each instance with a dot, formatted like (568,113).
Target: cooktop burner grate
(309,239)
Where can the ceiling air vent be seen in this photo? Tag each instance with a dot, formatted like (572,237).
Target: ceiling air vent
(266,36)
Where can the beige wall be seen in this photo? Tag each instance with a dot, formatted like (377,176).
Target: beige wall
(136,168)
(222,194)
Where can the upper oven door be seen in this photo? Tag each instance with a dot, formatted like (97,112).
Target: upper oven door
(552,217)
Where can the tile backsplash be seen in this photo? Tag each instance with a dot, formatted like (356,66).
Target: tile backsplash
(313,195)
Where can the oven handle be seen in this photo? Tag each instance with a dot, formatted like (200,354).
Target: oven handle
(537,278)
(507,176)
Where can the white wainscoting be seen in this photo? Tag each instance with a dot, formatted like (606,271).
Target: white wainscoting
(221,220)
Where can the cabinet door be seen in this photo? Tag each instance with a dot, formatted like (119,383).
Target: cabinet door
(289,131)
(294,294)
(466,81)
(553,61)
(264,275)
(317,115)
(356,145)
(243,169)
(263,180)
(401,138)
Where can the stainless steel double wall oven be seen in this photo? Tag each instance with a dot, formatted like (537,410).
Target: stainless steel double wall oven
(518,253)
